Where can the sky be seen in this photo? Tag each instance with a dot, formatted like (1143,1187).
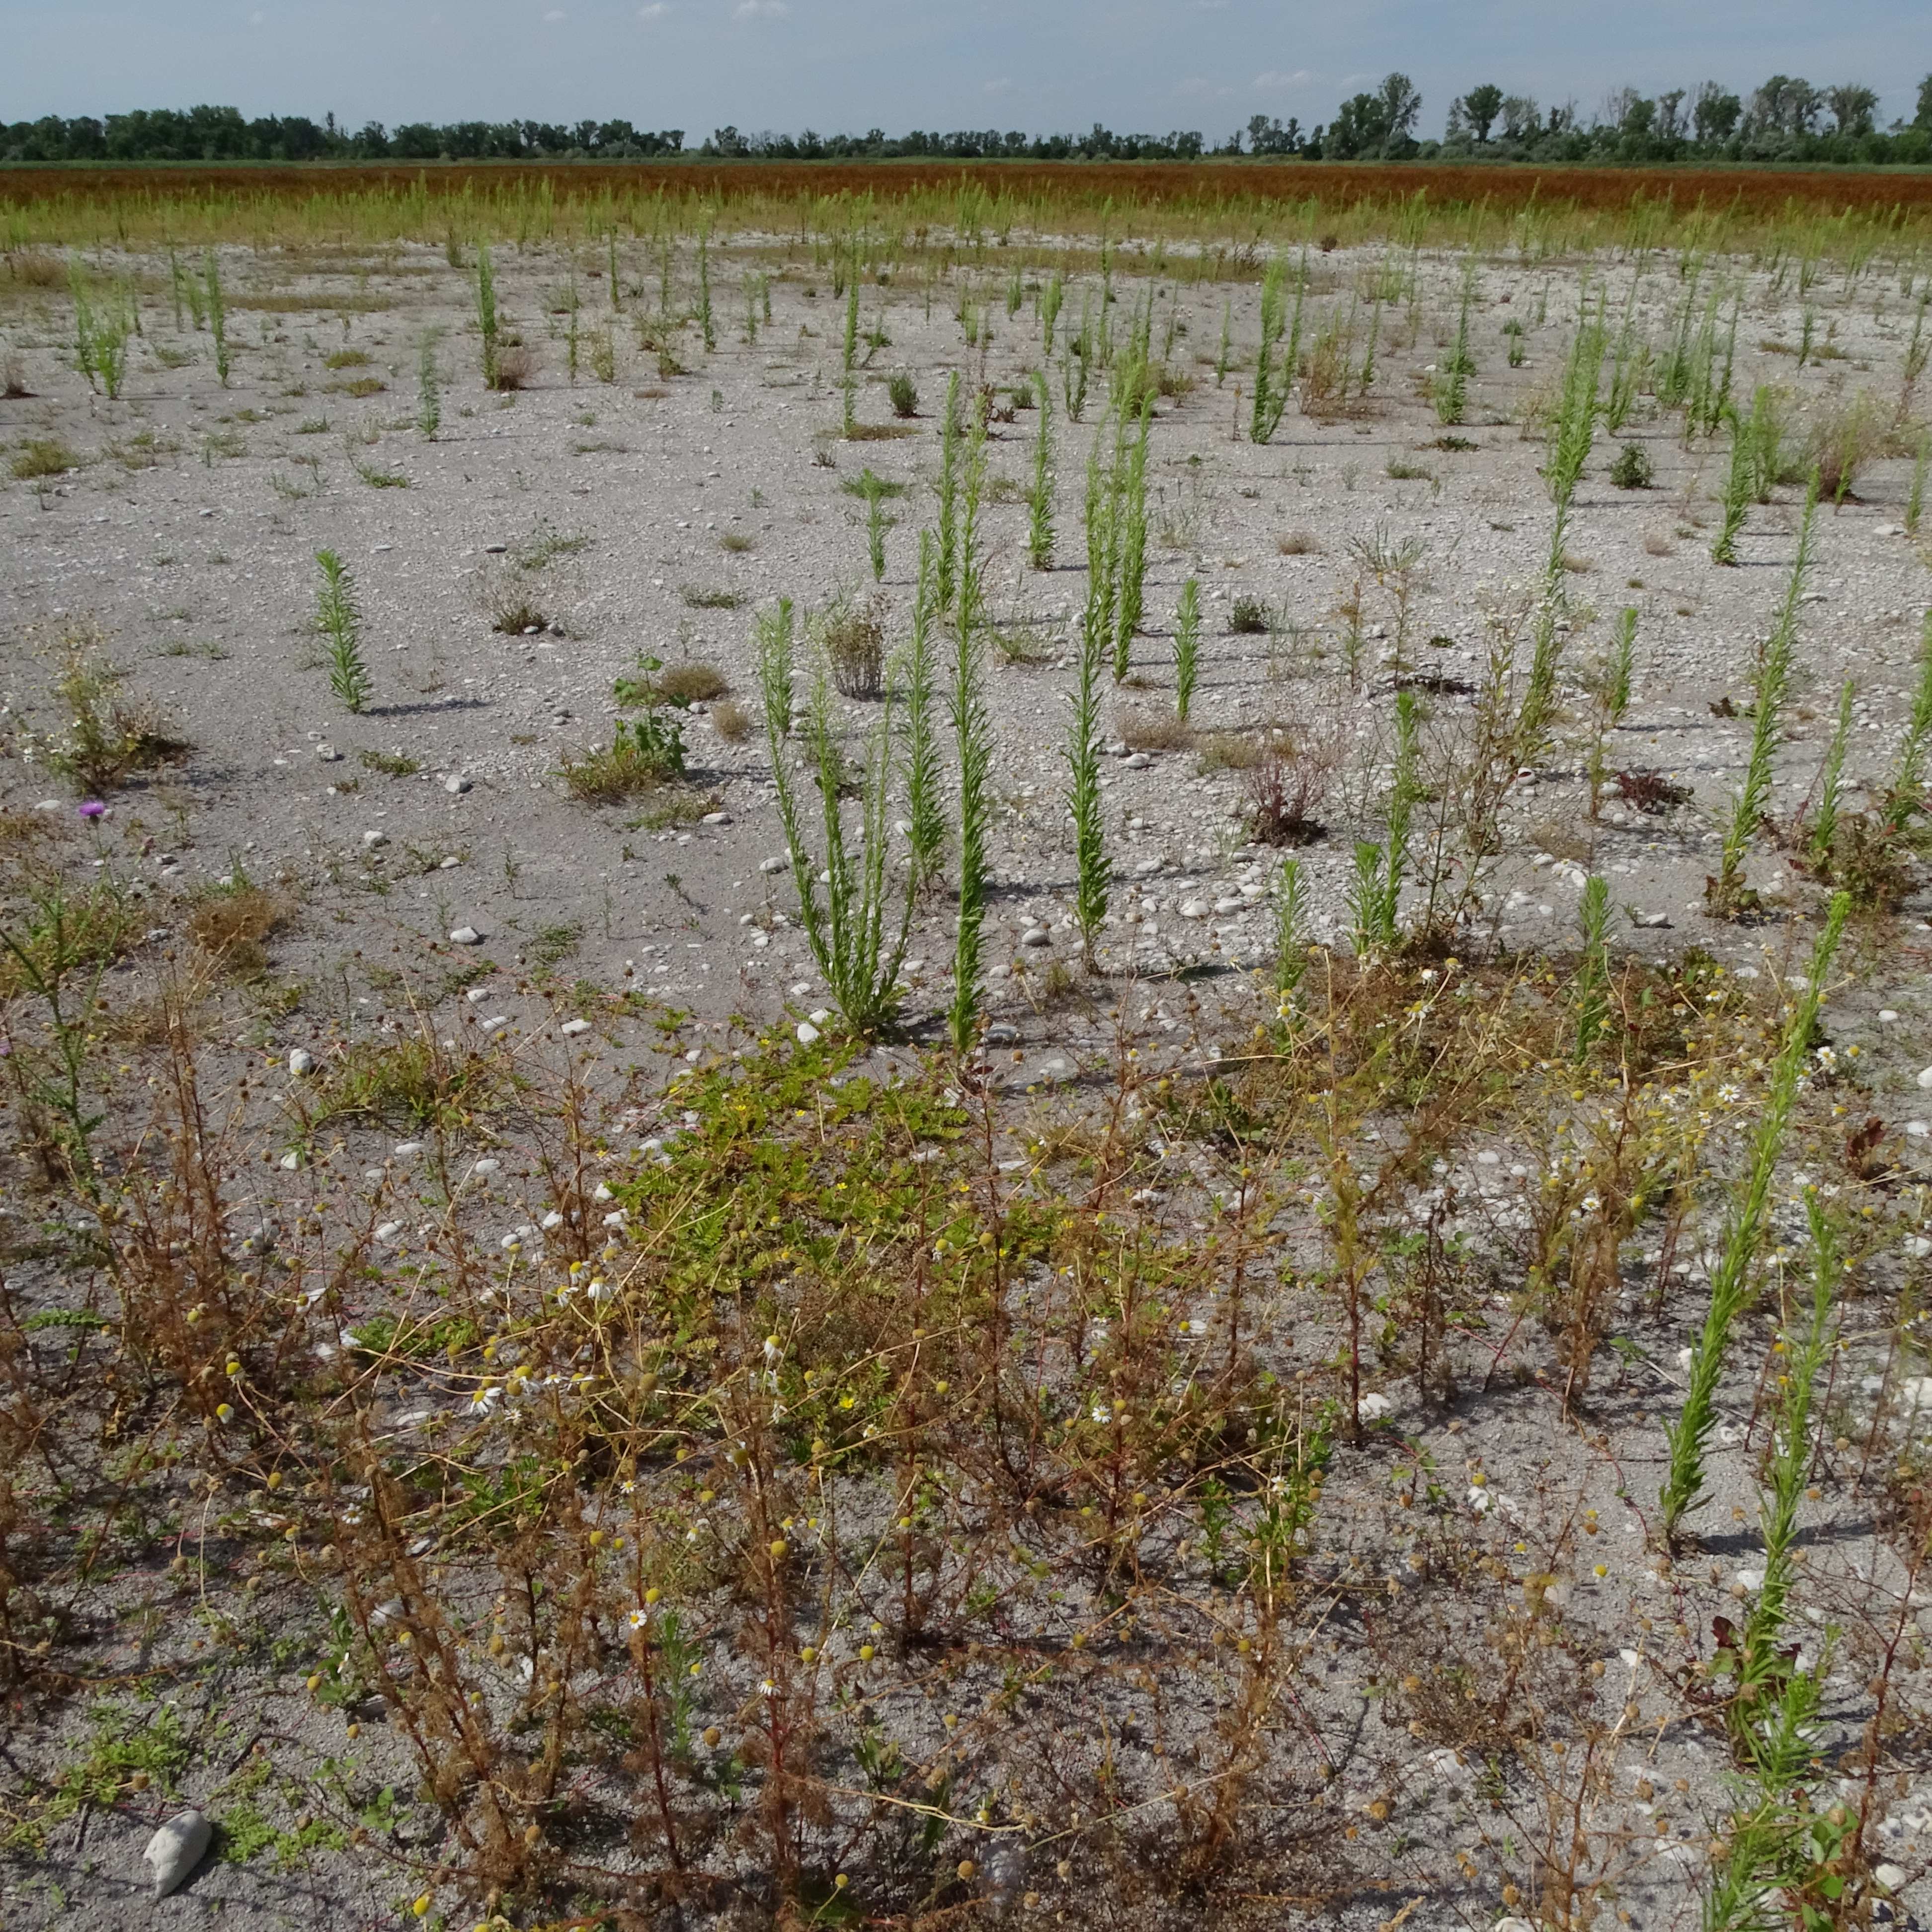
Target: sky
(1143,66)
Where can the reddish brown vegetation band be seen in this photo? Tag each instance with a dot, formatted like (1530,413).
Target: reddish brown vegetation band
(1748,191)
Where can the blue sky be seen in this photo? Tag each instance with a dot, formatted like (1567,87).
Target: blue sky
(1145,65)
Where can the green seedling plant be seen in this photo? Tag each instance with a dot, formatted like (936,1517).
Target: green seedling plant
(1731,1280)
(1821,837)
(654,742)
(850,931)
(771,647)
(707,322)
(1130,520)
(946,580)
(339,621)
(429,387)
(1452,387)
(487,321)
(1186,647)
(1914,499)
(972,752)
(926,804)
(1592,994)
(1039,496)
(1375,896)
(850,380)
(1740,488)
(875,491)
(1083,792)
(1726,891)
(218,314)
(1905,789)
(1267,409)
(1611,687)
(1051,298)
(1288,903)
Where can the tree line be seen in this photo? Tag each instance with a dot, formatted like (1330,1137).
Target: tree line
(1786,119)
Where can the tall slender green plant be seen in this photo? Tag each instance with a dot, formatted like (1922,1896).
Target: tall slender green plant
(1290,933)
(1265,416)
(218,314)
(1821,837)
(850,380)
(429,386)
(1452,387)
(706,322)
(84,326)
(1914,499)
(1740,487)
(1050,300)
(339,621)
(948,495)
(1131,518)
(1186,647)
(1083,794)
(973,749)
(851,932)
(1726,891)
(1374,899)
(1039,497)
(1905,790)
(926,805)
(772,638)
(1683,1486)
(1613,689)
(486,312)
(1593,969)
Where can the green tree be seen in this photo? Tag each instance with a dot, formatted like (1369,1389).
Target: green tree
(1480,106)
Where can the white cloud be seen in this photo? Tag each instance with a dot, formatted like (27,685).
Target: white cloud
(257,19)
(1274,83)
(656,10)
(554,16)
(1003,86)
(762,9)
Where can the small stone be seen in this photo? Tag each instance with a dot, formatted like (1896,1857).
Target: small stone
(175,1850)
(1236,905)
(301,1062)
(1001,1034)
(1651,922)
(716,818)
(1925,1078)
(571,1028)
(779,864)
(466,935)
(450,864)
(290,1162)
(456,785)
(1886,1015)
(1036,935)
(328,753)
(1194,909)
(1137,761)
(807,1033)
(819,1015)
(387,1231)
(370,840)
